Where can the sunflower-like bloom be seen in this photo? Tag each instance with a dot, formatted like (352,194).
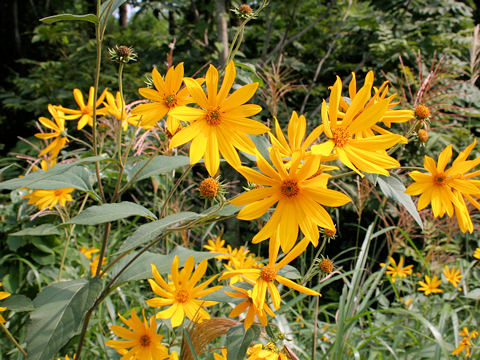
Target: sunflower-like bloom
(269,351)
(430,285)
(241,258)
(222,125)
(397,270)
(248,305)
(445,189)
(265,278)
(452,275)
(465,343)
(142,341)
(298,194)
(217,247)
(223,356)
(3,295)
(165,97)
(58,134)
(181,294)
(116,107)
(85,113)
(49,198)
(89,252)
(367,154)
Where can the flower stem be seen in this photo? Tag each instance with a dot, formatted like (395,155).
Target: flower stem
(12,339)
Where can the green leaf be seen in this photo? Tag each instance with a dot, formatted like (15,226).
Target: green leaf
(393,188)
(57,177)
(158,165)
(141,268)
(289,272)
(262,144)
(41,230)
(110,212)
(18,303)
(115,5)
(474,294)
(226,210)
(238,341)
(58,316)
(150,231)
(69,17)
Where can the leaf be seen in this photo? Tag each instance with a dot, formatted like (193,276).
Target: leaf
(18,303)
(474,294)
(150,231)
(58,316)
(141,268)
(57,177)
(238,341)
(289,272)
(41,230)
(110,212)
(394,189)
(262,144)
(158,165)
(227,210)
(115,5)
(69,17)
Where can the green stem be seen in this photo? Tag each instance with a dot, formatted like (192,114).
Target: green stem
(80,141)
(12,339)
(122,106)
(164,207)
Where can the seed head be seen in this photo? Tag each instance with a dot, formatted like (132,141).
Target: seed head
(209,188)
(422,112)
(326,266)
(422,135)
(122,54)
(330,233)
(245,9)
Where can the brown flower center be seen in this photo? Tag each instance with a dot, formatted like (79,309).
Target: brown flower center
(439,179)
(340,136)
(326,265)
(289,188)
(209,188)
(422,112)
(170,101)
(182,296)
(268,273)
(145,340)
(213,117)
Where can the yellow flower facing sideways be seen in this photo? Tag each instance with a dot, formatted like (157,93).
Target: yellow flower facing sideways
(116,107)
(397,270)
(430,285)
(85,111)
(445,189)
(141,339)
(299,196)
(346,137)
(222,124)
(465,344)
(181,294)
(58,135)
(3,295)
(452,275)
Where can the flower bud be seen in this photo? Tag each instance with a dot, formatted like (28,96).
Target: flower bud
(422,135)
(422,112)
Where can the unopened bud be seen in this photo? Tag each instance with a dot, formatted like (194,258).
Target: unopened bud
(245,9)
(422,135)
(326,266)
(122,54)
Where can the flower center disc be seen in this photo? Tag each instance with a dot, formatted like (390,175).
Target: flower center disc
(182,296)
(213,117)
(170,101)
(144,340)
(268,273)
(439,179)
(340,136)
(289,188)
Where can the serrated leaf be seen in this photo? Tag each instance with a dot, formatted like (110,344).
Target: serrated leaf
(41,230)
(58,316)
(18,303)
(238,341)
(158,165)
(394,189)
(150,231)
(70,17)
(110,212)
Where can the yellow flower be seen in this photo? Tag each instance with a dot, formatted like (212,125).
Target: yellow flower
(94,265)
(217,247)
(221,357)
(58,133)
(352,139)
(116,107)
(181,294)
(446,189)
(268,351)
(248,304)
(465,343)
(49,198)
(66,358)
(399,270)
(298,196)
(3,295)
(265,277)
(430,286)
(85,113)
(222,125)
(476,254)
(142,341)
(240,258)
(165,97)
(453,275)
(89,252)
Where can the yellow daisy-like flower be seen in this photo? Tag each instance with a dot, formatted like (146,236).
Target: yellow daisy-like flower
(222,125)
(248,305)
(94,265)
(85,113)
(465,343)
(217,247)
(452,275)
(89,252)
(223,356)
(181,294)
(58,134)
(346,137)
(49,198)
(445,189)
(142,341)
(66,358)
(399,270)
(298,195)
(268,351)
(241,258)
(165,97)
(265,278)
(3,295)
(116,107)
(476,254)
(430,286)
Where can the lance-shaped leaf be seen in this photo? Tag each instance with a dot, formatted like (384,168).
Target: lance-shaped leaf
(41,230)
(158,165)
(238,340)
(110,212)
(69,17)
